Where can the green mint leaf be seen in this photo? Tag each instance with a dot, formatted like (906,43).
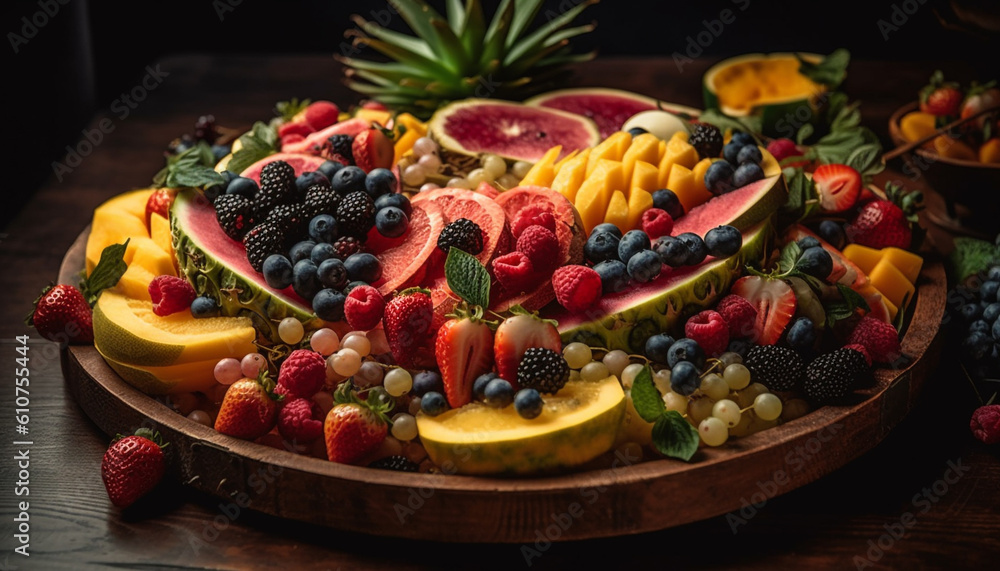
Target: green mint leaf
(675,437)
(837,311)
(289,109)
(646,397)
(854,299)
(722,121)
(109,269)
(971,256)
(803,200)
(194,176)
(467,277)
(830,71)
(804,133)
(265,133)
(789,255)
(260,142)
(191,168)
(866,160)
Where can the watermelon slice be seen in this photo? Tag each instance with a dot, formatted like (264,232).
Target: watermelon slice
(299,161)
(742,208)
(609,108)
(311,143)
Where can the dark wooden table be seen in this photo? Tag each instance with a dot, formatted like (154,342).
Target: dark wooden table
(848,519)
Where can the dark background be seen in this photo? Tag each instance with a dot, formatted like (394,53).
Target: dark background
(89,52)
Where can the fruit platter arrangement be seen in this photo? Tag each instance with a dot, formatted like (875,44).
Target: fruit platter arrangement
(503,299)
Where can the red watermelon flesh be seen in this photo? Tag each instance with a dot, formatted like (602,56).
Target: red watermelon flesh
(404,259)
(742,208)
(298,161)
(607,108)
(350,127)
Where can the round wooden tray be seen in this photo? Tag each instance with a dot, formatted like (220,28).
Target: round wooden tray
(621,497)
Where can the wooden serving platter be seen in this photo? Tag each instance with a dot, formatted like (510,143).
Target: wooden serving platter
(618,497)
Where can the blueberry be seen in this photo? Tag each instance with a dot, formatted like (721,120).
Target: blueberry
(243,186)
(433,403)
(277,271)
(731,152)
(723,241)
(391,222)
(601,246)
(633,242)
(671,251)
(479,385)
(970,312)
(741,138)
(833,232)
(352,285)
(644,266)
(719,178)
(322,252)
(749,154)
(697,250)
(988,291)
(808,242)
(991,312)
(380,182)
(425,382)
(747,173)
(979,326)
(685,349)
(802,334)
(304,279)
(739,346)
(228,176)
(330,168)
(657,348)
(996,330)
(993,274)
(301,251)
(220,151)
(666,199)
(332,273)
(614,276)
(323,228)
(499,393)
(816,262)
(607,228)
(213,192)
(684,378)
(363,267)
(636,131)
(328,304)
(204,306)
(977,345)
(348,180)
(398,200)
(528,403)
(307,179)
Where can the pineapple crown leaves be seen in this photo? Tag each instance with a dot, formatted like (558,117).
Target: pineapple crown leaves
(452,57)
(378,401)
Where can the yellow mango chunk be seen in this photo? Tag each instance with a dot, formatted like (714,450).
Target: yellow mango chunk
(134,283)
(863,257)
(542,173)
(682,152)
(678,136)
(646,176)
(917,125)
(570,176)
(907,263)
(159,232)
(989,153)
(151,256)
(645,148)
(559,164)
(112,226)
(595,193)
(892,283)
(661,149)
(618,212)
(375,115)
(613,148)
(768,163)
(638,202)
(954,149)
(698,174)
(682,183)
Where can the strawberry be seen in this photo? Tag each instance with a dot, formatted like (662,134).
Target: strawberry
(250,408)
(159,202)
(886,222)
(775,303)
(321,114)
(517,334)
(354,428)
(980,97)
(62,314)
(133,466)
(373,149)
(940,98)
(407,323)
(464,350)
(838,187)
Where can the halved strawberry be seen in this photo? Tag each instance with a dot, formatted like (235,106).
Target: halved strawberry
(838,186)
(775,302)
(516,335)
(464,350)
(373,149)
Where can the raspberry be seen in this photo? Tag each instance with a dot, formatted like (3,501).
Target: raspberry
(300,421)
(656,223)
(739,314)
(709,330)
(363,308)
(303,373)
(879,337)
(321,114)
(532,215)
(985,423)
(514,272)
(541,246)
(783,148)
(861,349)
(170,294)
(577,287)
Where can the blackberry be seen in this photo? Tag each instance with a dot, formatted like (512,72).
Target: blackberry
(833,375)
(777,368)
(263,240)
(346,246)
(341,145)
(395,463)
(235,215)
(278,174)
(277,187)
(543,370)
(321,199)
(356,215)
(293,219)
(463,234)
(707,140)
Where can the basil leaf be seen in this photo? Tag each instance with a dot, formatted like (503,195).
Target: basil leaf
(830,71)
(645,397)
(109,269)
(467,277)
(675,437)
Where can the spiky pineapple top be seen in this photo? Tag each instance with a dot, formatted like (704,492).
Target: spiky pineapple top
(462,55)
